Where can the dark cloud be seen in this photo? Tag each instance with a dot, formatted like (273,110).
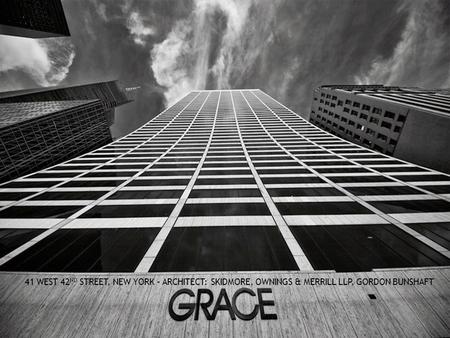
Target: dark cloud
(106,49)
(284,47)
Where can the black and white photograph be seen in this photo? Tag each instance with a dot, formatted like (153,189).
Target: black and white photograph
(224,168)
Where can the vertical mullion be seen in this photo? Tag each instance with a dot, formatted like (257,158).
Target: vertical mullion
(92,204)
(295,249)
(375,210)
(149,257)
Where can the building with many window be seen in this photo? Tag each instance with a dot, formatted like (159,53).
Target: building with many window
(33,18)
(189,191)
(226,185)
(45,126)
(110,93)
(408,123)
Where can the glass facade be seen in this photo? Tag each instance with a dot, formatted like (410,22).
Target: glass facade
(227,180)
(33,18)
(35,135)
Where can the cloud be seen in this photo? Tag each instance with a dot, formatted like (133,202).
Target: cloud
(46,61)
(167,62)
(138,30)
(419,54)
(200,51)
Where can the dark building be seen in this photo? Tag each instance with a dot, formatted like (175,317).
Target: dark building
(45,126)
(33,18)
(408,123)
(227,180)
(110,93)
(35,135)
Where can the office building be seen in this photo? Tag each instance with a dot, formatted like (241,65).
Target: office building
(110,93)
(407,123)
(35,135)
(226,180)
(45,126)
(33,18)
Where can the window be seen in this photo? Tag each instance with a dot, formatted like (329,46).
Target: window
(146,194)
(224,249)
(350,179)
(86,250)
(339,103)
(437,189)
(354,113)
(348,102)
(363,116)
(382,137)
(41,211)
(367,142)
(322,208)
(376,111)
(401,118)
(224,209)
(14,196)
(158,182)
(346,110)
(434,232)
(363,247)
(397,129)
(385,124)
(287,180)
(365,107)
(356,104)
(69,195)
(389,115)
(374,120)
(401,190)
(412,206)
(213,193)
(224,180)
(410,178)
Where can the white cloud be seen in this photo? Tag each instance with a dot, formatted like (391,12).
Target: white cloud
(167,62)
(182,61)
(46,61)
(421,45)
(138,30)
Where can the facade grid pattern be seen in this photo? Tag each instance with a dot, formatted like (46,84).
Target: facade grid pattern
(407,123)
(35,135)
(33,18)
(226,180)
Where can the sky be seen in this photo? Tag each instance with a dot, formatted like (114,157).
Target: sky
(283,47)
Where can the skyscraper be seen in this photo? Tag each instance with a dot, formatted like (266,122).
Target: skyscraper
(33,18)
(45,126)
(408,123)
(110,93)
(226,180)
